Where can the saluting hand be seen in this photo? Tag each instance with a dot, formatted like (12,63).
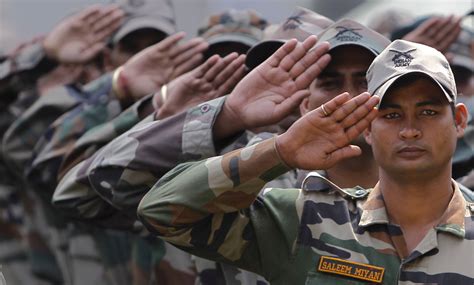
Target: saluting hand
(275,88)
(322,137)
(77,39)
(437,32)
(158,64)
(214,78)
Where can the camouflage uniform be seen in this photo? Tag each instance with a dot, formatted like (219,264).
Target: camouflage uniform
(290,235)
(24,253)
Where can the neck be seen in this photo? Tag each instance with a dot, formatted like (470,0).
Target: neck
(361,170)
(415,201)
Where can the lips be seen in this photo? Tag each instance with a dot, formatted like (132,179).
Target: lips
(411,152)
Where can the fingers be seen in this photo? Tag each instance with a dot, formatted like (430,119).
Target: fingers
(360,111)
(308,60)
(334,104)
(169,42)
(212,74)
(89,14)
(188,50)
(203,68)
(448,34)
(297,53)
(363,122)
(187,65)
(286,107)
(236,70)
(110,22)
(342,112)
(90,51)
(275,59)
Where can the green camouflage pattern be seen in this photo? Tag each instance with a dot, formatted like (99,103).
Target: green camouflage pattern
(212,209)
(21,137)
(20,70)
(120,173)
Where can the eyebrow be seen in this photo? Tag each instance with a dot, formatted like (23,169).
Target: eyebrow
(419,104)
(332,74)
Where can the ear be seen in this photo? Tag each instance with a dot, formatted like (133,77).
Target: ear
(460,119)
(304,106)
(107,60)
(368,135)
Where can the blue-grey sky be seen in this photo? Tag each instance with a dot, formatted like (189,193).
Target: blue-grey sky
(21,20)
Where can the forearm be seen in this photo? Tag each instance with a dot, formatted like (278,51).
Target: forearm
(218,185)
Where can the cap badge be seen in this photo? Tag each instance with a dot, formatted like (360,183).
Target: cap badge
(346,34)
(293,22)
(402,58)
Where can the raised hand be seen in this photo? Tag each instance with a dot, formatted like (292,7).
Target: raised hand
(436,32)
(322,137)
(275,88)
(157,65)
(214,78)
(79,38)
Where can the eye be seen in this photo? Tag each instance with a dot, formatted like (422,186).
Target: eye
(428,112)
(391,116)
(328,84)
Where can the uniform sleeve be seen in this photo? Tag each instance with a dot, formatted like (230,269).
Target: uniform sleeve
(99,136)
(21,70)
(22,136)
(212,209)
(126,168)
(61,135)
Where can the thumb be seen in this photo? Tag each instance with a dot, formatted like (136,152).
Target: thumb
(291,103)
(344,153)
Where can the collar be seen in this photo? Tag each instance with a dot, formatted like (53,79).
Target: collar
(452,220)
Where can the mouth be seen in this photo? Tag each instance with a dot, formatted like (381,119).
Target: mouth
(411,152)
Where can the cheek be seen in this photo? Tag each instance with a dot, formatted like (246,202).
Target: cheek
(318,98)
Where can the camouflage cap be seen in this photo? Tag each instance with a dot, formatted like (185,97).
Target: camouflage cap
(140,14)
(461,50)
(349,32)
(301,24)
(241,26)
(404,57)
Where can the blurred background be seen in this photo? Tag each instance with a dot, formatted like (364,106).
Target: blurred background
(23,19)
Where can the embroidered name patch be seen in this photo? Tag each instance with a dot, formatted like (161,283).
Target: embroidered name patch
(352,269)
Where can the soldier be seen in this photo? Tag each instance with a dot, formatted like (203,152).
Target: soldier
(402,230)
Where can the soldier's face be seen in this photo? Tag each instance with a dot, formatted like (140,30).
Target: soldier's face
(415,132)
(345,73)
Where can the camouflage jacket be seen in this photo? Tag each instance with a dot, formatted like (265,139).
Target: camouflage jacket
(120,173)
(22,136)
(300,236)
(61,136)
(20,70)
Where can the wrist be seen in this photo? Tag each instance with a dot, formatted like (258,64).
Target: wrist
(227,123)
(283,151)
(119,87)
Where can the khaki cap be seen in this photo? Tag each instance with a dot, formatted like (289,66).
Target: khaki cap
(301,24)
(240,26)
(140,14)
(404,57)
(349,32)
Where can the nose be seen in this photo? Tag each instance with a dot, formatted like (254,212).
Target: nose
(409,131)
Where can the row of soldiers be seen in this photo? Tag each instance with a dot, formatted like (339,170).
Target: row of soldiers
(100,109)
